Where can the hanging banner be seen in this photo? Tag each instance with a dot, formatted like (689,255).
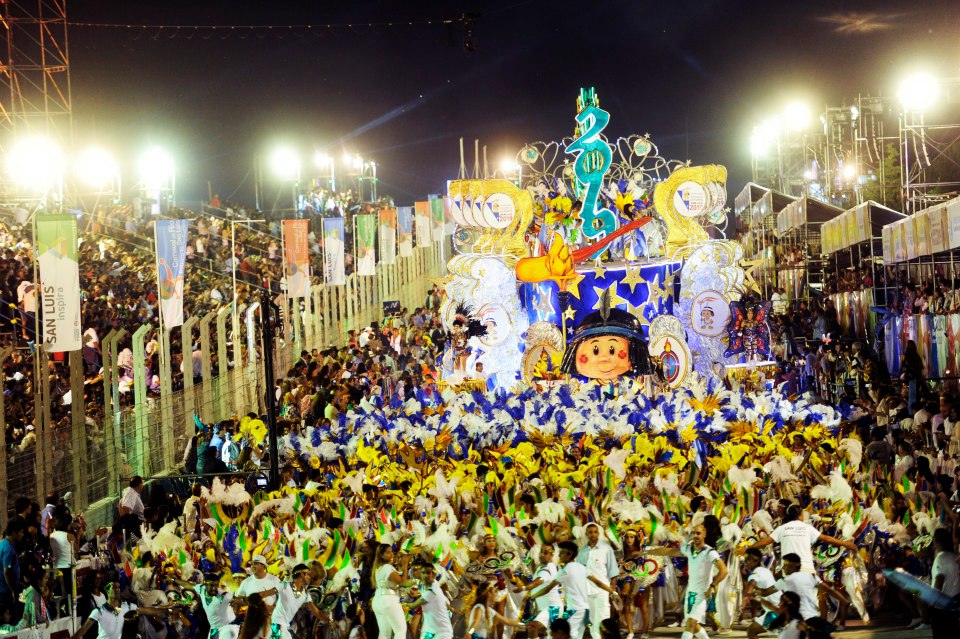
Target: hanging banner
(422,221)
(405,230)
(388,236)
(333,267)
(59,282)
(296,257)
(366,233)
(436,216)
(171,237)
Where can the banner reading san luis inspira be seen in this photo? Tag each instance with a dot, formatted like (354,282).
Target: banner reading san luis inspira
(59,283)
(171,268)
(334,271)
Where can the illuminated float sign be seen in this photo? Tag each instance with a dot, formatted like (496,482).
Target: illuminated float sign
(593,159)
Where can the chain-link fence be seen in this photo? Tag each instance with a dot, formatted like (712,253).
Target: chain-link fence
(130,420)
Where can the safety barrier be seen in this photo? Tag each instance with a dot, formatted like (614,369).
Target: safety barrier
(139,419)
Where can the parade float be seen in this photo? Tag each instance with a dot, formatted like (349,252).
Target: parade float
(600,239)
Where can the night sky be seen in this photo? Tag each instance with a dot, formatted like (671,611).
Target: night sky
(695,75)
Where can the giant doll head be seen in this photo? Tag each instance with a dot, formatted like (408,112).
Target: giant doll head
(608,344)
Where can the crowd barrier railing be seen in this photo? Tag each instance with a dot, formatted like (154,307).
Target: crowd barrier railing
(138,419)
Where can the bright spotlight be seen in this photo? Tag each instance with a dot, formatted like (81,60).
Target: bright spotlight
(918,92)
(322,160)
(35,163)
(156,168)
(849,172)
(763,137)
(797,116)
(97,168)
(285,163)
(854,112)
(508,165)
(357,162)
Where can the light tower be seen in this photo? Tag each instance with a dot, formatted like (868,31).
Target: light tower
(34,76)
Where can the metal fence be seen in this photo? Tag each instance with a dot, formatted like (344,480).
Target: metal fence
(117,428)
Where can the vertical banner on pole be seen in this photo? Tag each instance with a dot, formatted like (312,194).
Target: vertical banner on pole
(436,218)
(296,257)
(422,211)
(388,236)
(366,234)
(60,282)
(405,230)
(333,267)
(171,237)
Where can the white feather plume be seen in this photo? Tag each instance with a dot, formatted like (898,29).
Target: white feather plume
(779,469)
(853,449)
(616,460)
(837,490)
(742,479)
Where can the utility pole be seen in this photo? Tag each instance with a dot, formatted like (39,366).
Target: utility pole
(269,326)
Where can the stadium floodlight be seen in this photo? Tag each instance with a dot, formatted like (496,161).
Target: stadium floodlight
(918,92)
(97,168)
(797,116)
(35,163)
(156,168)
(285,163)
(849,172)
(509,165)
(763,137)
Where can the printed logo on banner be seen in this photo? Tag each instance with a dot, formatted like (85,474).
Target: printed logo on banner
(405,230)
(422,223)
(437,217)
(388,236)
(171,237)
(334,271)
(366,247)
(296,241)
(59,282)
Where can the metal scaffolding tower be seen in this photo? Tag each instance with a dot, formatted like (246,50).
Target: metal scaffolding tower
(34,73)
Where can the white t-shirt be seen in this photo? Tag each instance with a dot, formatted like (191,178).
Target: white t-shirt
(110,623)
(252,584)
(601,563)
(436,615)
(797,537)
(573,578)
(384,585)
(217,607)
(945,563)
(805,585)
(791,630)
(548,573)
(131,499)
(289,603)
(61,549)
(699,567)
(27,296)
(762,579)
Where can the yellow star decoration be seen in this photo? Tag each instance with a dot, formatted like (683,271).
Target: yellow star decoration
(573,284)
(598,271)
(615,300)
(569,314)
(748,281)
(632,278)
(637,311)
